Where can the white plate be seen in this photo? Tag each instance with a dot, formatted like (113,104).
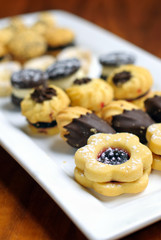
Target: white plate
(50,162)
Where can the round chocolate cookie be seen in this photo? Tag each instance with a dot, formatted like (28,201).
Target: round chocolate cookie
(63,68)
(116,59)
(23,81)
(28,78)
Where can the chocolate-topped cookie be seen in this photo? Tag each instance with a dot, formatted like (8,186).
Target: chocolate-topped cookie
(115,59)
(24,80)
(64,72)
(77,124)
(41,106)
(153,107)
(134,121)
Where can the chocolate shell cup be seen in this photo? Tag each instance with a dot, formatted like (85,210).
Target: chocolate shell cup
(80,129)
(153,107)
(133,121)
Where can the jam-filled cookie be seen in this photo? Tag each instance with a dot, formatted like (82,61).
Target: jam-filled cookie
(153,136)
(27,44)
(41,106)
(111,61)
(126,117)
(23,81)
(153,105)
(113,164)
(41,63)
(93,94)
(130,82)
(77,124)
(6,70)
(63,73)
(84,55)
(58,39)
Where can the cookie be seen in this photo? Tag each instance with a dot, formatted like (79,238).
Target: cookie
(41,106)
(23,81)
(17,24)
(153,106)
(93,94)
(41,63)
(45,20)
(153,136)
(111,61)
(126,117)
(27,44)
(80,53)
(6,70)
(6,35)
(58,39)
(130,82)
(77,124)
(113,164)
(63,73)
(3,52)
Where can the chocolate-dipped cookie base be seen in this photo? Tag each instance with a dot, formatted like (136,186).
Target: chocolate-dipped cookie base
(153,107)
(80,129)
(134,121)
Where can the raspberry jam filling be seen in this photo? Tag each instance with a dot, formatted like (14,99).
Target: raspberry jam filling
(113,156)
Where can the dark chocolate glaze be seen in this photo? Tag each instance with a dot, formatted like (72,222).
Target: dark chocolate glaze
(28,78)
(121,77)
(104,77)
(16,100)
(116,59)
(82,81)
(44,124)
(134,121)
(80,129)
(42,94)
(63,68)
(153,107)
(51,48)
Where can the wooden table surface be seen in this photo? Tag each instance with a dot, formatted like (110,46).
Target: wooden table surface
(26,211)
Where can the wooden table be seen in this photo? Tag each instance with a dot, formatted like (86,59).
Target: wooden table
(26,211)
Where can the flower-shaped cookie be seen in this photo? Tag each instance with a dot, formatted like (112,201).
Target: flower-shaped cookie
(153,136)
(113,164)
(113,157)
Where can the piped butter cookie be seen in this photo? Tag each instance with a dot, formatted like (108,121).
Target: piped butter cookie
(77,124)
(126,117)
(130,82)
(90,93)
(113,164)
(41,107)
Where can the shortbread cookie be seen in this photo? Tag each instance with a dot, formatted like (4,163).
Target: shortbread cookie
(77,124)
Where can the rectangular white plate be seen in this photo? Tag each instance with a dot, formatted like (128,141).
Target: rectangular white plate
(50,161)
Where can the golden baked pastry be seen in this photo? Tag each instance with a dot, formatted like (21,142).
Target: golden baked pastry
(130,82)
(42,105)
(93,94)
(6,35)
(110,159)
(27,44)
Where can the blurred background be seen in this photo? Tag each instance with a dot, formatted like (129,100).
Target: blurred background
(137,21)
